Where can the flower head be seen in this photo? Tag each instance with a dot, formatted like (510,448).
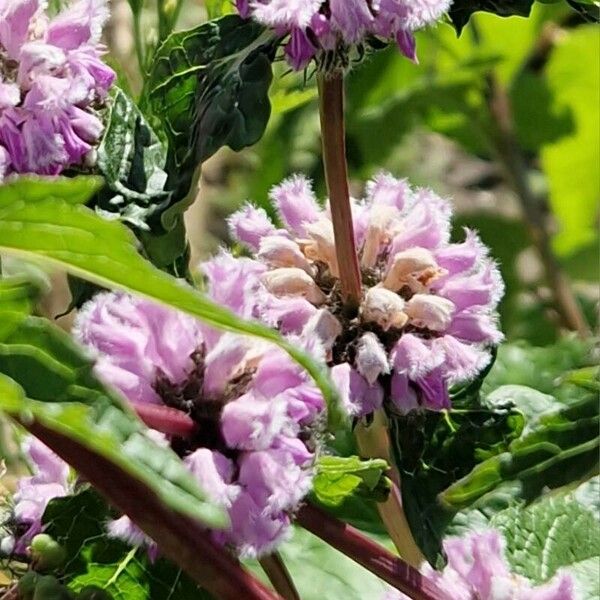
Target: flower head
(51,81)
(316,26)
(255,409)
(427,318)
(477,568)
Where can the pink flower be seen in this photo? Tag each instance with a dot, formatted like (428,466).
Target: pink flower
(54,80)
(317,25)
(428,315)
(478,569)
(257,411)
(50,480)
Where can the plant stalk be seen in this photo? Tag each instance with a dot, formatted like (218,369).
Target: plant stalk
(369,554)
(279,576)
(373,442)
(333,137)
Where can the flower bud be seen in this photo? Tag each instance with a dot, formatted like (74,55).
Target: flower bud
(371,358)
(415,268)
(384,308)
(379,233)
(320,245)
(277,251)
(291,281)
(430,312)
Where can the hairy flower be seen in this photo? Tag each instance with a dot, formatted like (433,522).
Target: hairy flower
(477,569)
(329,25)
(51,82)
(427,319)
(256,410)
(50,480)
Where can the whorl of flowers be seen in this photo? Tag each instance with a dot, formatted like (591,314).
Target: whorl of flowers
(427,318)
(324,25)
(254,408)
(52,80)
(477,570)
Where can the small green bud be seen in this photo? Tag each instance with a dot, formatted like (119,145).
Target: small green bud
(47,553)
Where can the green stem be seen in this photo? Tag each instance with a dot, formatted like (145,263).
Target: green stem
(373,442)
(333,136)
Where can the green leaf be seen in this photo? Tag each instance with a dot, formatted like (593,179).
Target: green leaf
(40,227)
(433,450)
(45,378)
(132,160)
(552,533)
(338,478)
(17,294)
(461,10)
(209,87)
(560,448)
(575,157)
(79,524)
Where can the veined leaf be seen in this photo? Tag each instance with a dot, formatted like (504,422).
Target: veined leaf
(209,87)
(41,227)
(46,379)
(338,478)
(562,447)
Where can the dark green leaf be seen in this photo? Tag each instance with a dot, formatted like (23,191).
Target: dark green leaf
(34,224)
(209,86)
(560,448)
(461,10)
(433,450)
(338,478)
(132,160)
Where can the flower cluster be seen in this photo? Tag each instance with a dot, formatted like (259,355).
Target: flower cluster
(477,569)
(324,25)
(50,480)
(51,82)
(427,318)
(254,408)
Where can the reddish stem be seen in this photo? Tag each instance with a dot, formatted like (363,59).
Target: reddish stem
(369,554)
(333,136)
(167,420)
(181,539)
(279,576)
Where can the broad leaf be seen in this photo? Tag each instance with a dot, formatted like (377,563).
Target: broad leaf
(46,379)
(560,448)
(40,227)
(339,478)
(548,535)
(209,87)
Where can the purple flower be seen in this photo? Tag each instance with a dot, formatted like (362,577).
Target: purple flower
(428,314)
(258,413)
(477,568)
(317,25)
(53,82)
(50,480)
